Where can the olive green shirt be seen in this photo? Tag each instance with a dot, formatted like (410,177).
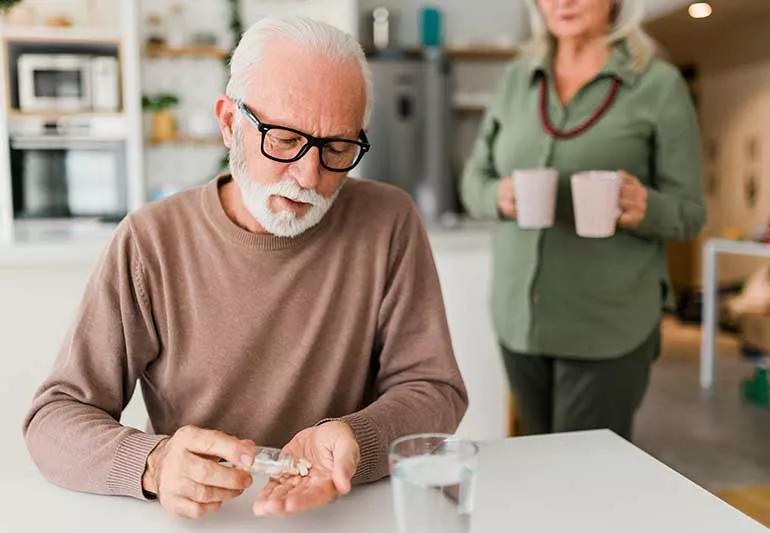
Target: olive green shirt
(555,293)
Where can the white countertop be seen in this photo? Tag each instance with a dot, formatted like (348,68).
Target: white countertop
(55,243)
(589,482)
(65,243)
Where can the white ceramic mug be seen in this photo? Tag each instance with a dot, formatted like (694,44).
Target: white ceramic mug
(535,197)
(595,198)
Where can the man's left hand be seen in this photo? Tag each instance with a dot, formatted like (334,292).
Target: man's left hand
(333,452)
(633,201)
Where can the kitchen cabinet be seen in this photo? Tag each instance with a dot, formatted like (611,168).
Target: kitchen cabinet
(43,146)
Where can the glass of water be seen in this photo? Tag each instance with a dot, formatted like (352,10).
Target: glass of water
(433,477)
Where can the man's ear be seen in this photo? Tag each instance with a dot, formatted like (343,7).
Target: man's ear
(224,109)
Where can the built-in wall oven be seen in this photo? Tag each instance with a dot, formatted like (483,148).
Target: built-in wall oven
(68,167)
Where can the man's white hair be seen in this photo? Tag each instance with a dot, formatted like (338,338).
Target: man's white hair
(625,26)
(311,35)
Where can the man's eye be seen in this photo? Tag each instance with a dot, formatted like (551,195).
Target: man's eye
(287,141)
(338,148)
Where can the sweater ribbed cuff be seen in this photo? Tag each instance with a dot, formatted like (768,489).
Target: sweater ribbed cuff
(125,477)
(374,456)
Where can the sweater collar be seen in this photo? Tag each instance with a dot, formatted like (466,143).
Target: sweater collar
(215,212)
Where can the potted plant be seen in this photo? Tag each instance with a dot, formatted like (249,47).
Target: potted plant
(15,12)
(5,5)
(163,123)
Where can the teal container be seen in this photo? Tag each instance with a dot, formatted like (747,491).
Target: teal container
(430,27)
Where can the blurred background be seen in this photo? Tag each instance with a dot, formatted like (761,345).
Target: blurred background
(108,105)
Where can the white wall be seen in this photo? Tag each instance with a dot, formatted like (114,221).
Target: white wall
(735,107)
(340,13)
(464,21)
(93,13)
(480,21)
(196,81)
(733,88)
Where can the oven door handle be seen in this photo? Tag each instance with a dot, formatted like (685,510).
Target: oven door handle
(62,143)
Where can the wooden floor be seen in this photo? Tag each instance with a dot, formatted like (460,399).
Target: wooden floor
(754,501)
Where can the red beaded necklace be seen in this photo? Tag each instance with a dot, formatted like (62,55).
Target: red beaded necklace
(590,121)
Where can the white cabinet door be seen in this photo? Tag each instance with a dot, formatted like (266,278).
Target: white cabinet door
(464,267)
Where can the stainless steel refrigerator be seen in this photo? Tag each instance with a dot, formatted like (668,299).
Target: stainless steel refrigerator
(409,128)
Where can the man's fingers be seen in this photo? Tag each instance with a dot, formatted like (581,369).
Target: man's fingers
(286,497)
(217,443)
(190,509)
(268,507)
(207,472)
(206,493)
(280,492)
(308,496)
(268,489)
(346,457)
(276,488)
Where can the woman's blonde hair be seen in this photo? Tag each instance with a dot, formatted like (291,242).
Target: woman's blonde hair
(624,27)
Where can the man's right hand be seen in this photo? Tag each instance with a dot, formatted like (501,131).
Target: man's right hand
(506,198)
(184,473)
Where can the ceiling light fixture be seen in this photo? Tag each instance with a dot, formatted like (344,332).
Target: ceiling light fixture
(700,10)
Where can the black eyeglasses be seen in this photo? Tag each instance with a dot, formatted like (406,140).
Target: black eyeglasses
(287,145)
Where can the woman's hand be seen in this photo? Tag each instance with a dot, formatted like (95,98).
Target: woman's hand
(506,198)
(633,201)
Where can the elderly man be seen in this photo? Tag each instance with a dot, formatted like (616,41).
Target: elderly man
(282,305)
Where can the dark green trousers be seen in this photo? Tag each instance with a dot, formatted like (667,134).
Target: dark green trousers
(555,394)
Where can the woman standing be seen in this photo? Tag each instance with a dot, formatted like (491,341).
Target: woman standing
(579,319)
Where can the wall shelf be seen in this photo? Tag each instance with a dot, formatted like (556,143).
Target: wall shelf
(72,34)
(455,53)
(53,115)
(188,51)
(476,53)
(211,140)
(469,110)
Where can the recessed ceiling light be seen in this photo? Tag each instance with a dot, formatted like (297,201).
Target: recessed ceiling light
(699,10)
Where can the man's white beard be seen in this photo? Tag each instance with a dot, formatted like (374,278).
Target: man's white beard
(256,197)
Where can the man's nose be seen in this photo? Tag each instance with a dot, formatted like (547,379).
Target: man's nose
(307,171)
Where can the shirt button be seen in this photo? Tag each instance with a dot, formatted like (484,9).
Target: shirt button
(535,298)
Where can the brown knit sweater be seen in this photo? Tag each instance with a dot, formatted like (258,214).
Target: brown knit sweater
(255,335)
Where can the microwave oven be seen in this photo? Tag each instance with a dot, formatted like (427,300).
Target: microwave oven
(68,82)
